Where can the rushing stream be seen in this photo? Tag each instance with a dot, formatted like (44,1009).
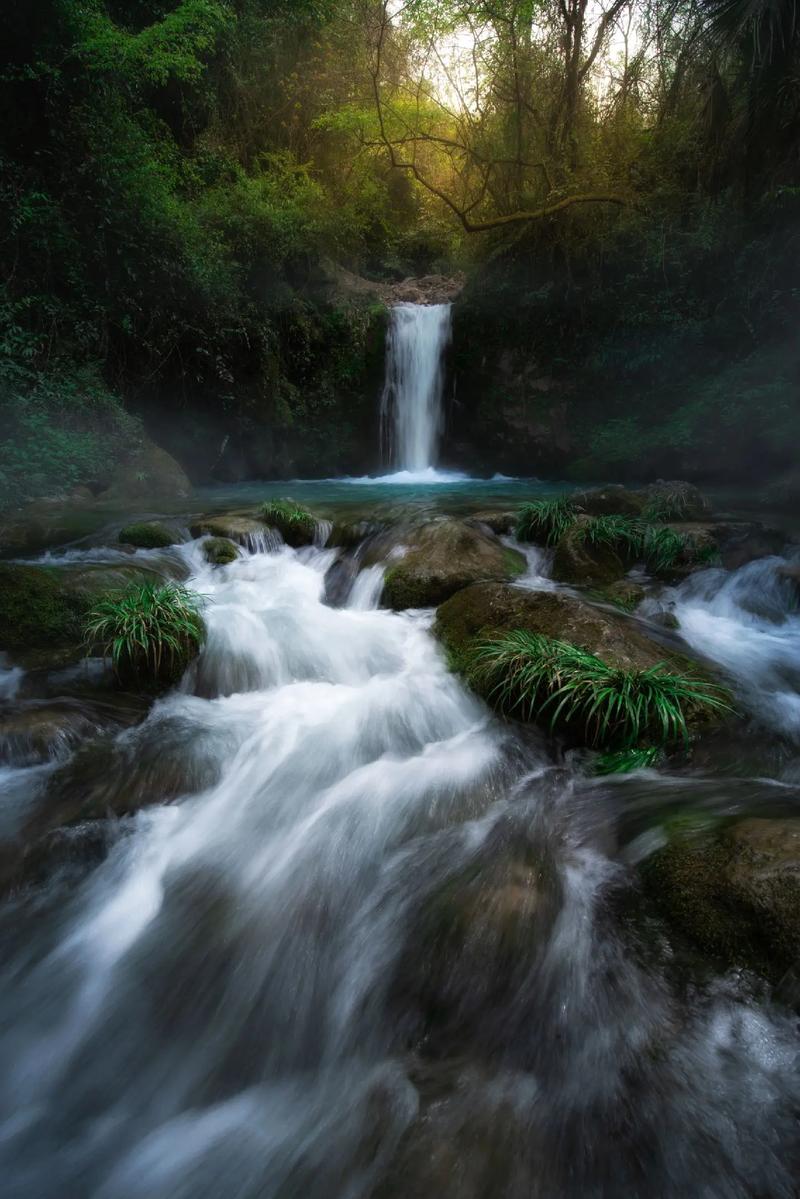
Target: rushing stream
(228,1005)
(352,937)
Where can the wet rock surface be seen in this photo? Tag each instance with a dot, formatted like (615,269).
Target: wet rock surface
(42,608)
(487,609)
(220,551)
(443,557)
(576,561)
(734,891)
(239,527)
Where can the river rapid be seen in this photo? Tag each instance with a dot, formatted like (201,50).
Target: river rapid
(256,992)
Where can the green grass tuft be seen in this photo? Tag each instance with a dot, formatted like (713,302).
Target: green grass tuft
(545,520)
(667,504)
(658,546)
(295,524)
(148,630)
(623,761)
(286,512)
(535,676)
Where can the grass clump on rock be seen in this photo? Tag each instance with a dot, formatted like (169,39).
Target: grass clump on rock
(295,524)
(658,546)
(605,707)
(147,536)
(150,631)
(546,520)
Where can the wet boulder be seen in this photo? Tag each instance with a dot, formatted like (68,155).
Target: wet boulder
(350,534)
(736,542)
(220,551)
(296,525)
(45,731)
(674,500)
(485,610)
(150,535)
(501,523)
(734,890)
(474,939)
(613,500)
(443,557)
(625,594)
(42,608)
(150,473)
(576,561)
(238,527)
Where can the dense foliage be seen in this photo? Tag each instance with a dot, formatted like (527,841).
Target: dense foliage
(187,185)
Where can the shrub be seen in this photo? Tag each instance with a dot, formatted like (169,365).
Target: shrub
(149,631)
(545,520)
(607,707)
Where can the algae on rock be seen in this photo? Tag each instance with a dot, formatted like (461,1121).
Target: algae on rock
(443,557)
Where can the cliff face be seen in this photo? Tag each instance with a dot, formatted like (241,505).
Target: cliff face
(307,406)
(612,368)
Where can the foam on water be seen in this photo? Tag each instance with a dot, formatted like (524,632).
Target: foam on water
(226,1005)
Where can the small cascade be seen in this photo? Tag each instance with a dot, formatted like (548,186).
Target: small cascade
(411,405)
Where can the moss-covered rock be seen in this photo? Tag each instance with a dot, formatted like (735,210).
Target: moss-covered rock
(625,594)
(499,522)
(614,500)
(576,561)
(42,608)
(220,551)
(443,557)
(484,610)
(735,892)
(234,526)
(147,536)
(150,473)
(295,524)
(674,500)
(37,610)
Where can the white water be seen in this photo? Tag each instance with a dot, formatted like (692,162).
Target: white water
(214,1012)
(411,407)
(245,924)
(748,621)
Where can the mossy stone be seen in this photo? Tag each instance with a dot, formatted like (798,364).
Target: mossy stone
(296,525)
(220,551)
(486,610)
(150,536)
(37,611)
(443,557)
(734,891)
(625,594)
(43,608)
(577,561)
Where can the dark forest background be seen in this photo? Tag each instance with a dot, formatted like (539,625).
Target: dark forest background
(204,202)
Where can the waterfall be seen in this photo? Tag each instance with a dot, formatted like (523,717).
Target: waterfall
(411,405)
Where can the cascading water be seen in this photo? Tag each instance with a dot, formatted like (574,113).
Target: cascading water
(411,405)
(231,1003)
